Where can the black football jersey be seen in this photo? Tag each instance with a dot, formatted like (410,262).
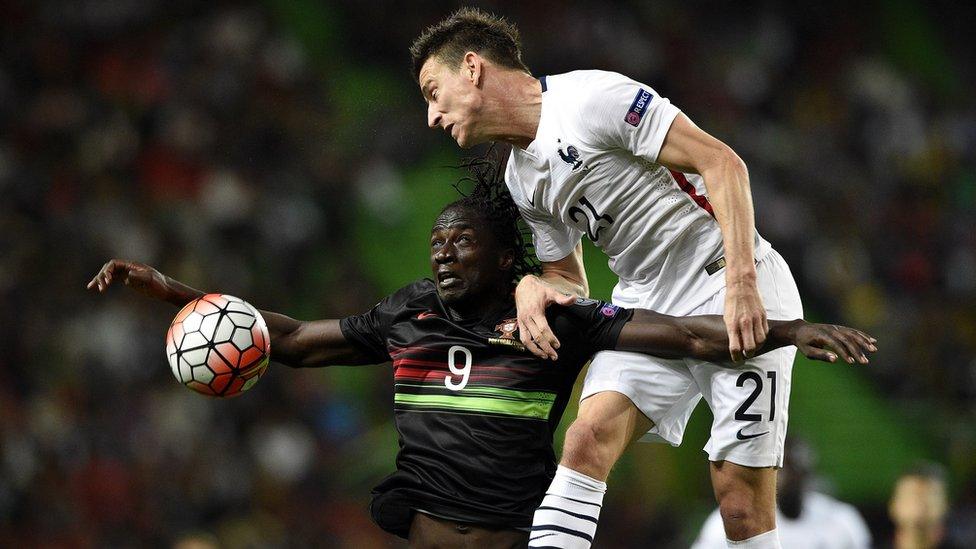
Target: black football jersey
(474,410)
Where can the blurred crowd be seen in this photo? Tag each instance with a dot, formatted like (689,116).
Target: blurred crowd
(239,146)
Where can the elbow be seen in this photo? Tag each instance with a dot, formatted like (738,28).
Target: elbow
(724,160)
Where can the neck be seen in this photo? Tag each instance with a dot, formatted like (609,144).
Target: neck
(478,309)
(921,537)
(514,104)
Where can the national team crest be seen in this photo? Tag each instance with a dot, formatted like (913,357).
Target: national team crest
(507,328)
(570,156)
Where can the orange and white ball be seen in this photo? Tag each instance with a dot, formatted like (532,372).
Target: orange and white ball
(218,345)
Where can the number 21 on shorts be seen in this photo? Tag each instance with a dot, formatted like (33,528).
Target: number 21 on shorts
(743,413)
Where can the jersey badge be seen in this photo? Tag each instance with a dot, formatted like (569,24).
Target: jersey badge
(609,310)
(570,156)
(638,107)
(507,328)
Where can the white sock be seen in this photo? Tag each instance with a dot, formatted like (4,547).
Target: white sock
(568,515)
(766,540)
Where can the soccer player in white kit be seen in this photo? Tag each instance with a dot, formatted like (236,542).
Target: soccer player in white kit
(599,154)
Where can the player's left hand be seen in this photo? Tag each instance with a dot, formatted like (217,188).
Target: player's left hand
(532,297)
(745,320)
(828,341)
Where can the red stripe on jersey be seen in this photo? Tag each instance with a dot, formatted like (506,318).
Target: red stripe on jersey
(396,351)
(687,187)
(419,374)
(442,366)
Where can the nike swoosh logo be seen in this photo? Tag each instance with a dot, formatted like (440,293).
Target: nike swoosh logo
(422,316)
(741,436)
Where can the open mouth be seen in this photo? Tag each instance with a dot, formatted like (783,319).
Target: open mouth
(450,130)
(447,279)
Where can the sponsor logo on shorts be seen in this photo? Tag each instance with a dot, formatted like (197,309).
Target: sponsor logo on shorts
(742,436)
(638,107)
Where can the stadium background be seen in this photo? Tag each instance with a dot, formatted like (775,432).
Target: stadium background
(277,151)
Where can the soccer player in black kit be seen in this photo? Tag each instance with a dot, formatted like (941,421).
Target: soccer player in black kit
(474,410)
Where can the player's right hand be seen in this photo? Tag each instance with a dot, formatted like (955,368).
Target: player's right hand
(138,276)
(532,297)
(828,341)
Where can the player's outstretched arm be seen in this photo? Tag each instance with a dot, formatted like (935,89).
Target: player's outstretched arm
(294,343)
(705,338)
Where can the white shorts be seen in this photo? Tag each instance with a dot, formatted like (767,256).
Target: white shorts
(749,401)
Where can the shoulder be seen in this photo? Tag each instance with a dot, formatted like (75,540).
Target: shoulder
(585,313)
(591,86)
(584,81)
(834,510)
(418,290)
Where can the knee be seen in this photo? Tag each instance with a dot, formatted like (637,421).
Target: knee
(589,448)
(743,517)
(736,510)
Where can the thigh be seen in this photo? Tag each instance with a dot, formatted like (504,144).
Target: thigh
(750,401)
(429,532)
(750,408)
(663,390)
(617,415)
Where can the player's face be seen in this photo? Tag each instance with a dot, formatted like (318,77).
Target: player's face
(454,100)
(466,261)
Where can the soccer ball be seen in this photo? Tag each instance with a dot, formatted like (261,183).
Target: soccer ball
(218,345)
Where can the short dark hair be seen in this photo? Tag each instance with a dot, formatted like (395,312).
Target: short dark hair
(491,200)
(469,29)
(928,470)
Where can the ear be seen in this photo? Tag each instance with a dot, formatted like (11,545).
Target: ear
(506,260)
(473,67)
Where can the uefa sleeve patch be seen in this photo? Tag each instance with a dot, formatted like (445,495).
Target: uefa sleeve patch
(638,107)
(609,310)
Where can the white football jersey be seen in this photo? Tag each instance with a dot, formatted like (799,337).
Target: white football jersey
(592,170)
(824,523)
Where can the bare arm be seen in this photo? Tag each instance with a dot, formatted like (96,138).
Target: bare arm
(687,148)
(705,338)
(294,343)
(561,281)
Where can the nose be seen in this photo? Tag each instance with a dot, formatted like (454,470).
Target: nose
(444,255)
(433,117)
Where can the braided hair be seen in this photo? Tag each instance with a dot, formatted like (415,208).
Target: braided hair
(490,198)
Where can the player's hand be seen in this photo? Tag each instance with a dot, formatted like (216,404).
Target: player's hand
(138,276)
(745,320)
(532,297)
(826,342)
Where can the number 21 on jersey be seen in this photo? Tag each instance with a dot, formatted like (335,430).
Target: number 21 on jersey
(463,371)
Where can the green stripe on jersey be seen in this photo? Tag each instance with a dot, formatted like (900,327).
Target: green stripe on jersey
(536,409)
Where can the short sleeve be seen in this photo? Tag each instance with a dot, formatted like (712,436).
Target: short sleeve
(588,326)
(552,239)
(369,330)
(618,112)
